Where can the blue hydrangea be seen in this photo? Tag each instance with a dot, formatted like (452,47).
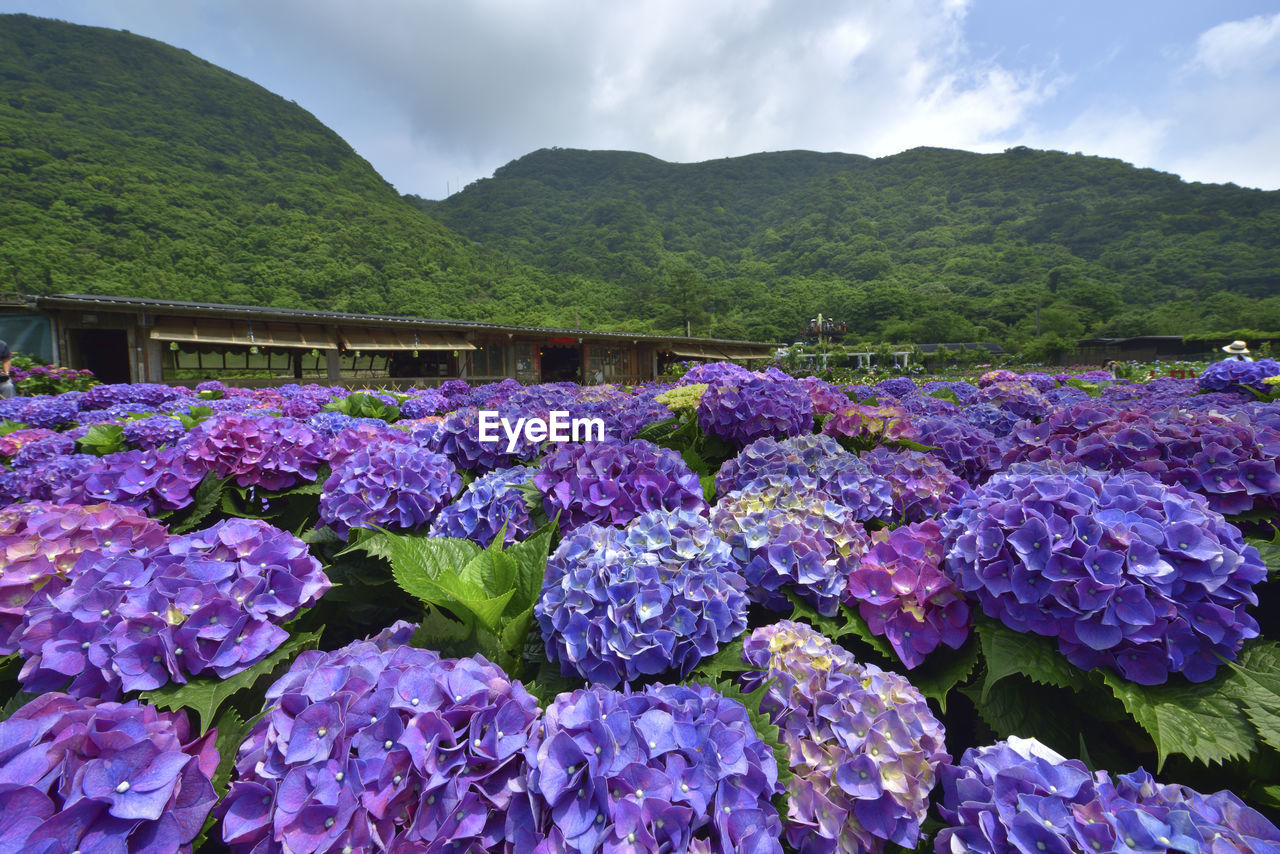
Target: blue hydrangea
(400,487)
(154,432)
(490,502)
(740,409)
(1235,376)
(658,596)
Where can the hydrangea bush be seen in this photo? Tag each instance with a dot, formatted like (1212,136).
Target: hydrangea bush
(489,503)
(399,487)
(740,409)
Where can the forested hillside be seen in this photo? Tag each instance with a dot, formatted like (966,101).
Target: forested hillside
(928,245)
(129,167)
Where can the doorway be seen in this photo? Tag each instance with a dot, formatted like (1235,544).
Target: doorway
(561,364)
(103,351)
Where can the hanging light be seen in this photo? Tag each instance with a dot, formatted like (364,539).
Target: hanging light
(173,345)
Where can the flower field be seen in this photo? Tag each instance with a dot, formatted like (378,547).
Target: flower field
(1032,613)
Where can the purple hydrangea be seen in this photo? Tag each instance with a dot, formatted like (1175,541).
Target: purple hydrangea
(708,372)
(1018,795)
(424,403)
(382,747)
(86,775)
(489,503)
(116,413)
(896,387)
(971,453)
(363,435)
(1123,571)
(43,450)
(671,768)
(862,743)
(922,484)
(459,440)
(41,542)
(41,481)
(991,418)
(790,535)
(11,443)
(964,392)
(1021,400)
(612,482)
(899,588)
(258,450)
(150,481)
(154,432)
(206,602)
(52,413)
(149,395)
(740,409)
(658,596)
(330,424)
(1000,375)
(1236,376)
(1040,381)
(400,487)
(827,399)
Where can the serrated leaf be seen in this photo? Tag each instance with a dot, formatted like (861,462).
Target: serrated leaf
(492,570)
(231,732)
(204,695)
(911,445)
(439,633)
(943,671)
(102,439)
(708,483)
(1199,721)
(531,558)
(205,498)
(17,701)
(695,462)
(726,663)
(1031,655)
(1018,706)
(658,430)
(1256,683)
(846,622)
(417,556)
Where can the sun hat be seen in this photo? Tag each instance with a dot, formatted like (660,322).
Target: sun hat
(1236,347)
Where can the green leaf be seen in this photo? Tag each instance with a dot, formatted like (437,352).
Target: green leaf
(708,483)
(102,439)
(194,416)
(204,695)
(531,558)
(17,701)
(658,430)
(1199,721)
(945,394)
(1256,684)
(231,732)
(437,632)
(943,671)
(7,427)
(427,556)
(726,663)
(846,622)
(695,462)
(1008,652)
(206,498)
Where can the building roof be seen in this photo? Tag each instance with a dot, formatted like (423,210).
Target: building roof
(292,315)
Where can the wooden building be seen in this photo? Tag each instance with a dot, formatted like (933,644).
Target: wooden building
(124,339)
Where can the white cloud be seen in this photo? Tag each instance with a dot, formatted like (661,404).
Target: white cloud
(1238,47)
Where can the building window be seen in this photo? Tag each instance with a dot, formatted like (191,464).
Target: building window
(489,360)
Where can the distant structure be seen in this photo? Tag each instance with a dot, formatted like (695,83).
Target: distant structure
(822,329)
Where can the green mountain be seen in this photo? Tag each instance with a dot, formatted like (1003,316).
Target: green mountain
(928,245)
(129,167)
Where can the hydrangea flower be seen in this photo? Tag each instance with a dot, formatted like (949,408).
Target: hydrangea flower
(401,487)
(827,399)
(80,774)
(258,450)
(999,375)
(149,395)
(862,743)
(740,409)
(612,482)
(52,413)
(362,435)
(871,425)
(154,432)
(424,403)
(43,450)
(991,418)
(671,768)
(489,503)
(683,398)
(382,747)
(660,595)
(150,481)
(896,387)
(1019,399)
(40,542)
(209,601)
(459,440)
(899,588)
(964,392)
(708,372)
(41,481)
(922,484)
(11,443)
(1121,570)
(789,534)
(971,453)
(1018,795)
(1235,376)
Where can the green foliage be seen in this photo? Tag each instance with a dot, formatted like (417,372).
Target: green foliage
(1269,550)
(7,427)
(102,439)
(206,498)
(194,416)
(1257,686)
(488,594)
(205,695)
(1007,652)
(358,404)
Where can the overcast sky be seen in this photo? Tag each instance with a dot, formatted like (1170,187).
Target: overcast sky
(438,93)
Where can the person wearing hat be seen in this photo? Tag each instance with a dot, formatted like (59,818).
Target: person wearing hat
(1239,352)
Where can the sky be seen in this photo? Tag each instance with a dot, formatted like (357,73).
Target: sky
(436,94)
